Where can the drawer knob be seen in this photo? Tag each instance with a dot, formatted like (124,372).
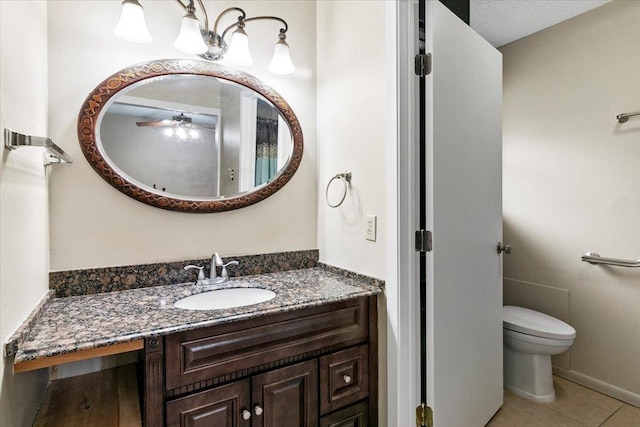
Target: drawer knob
(258,410)
(347,379)
(246,414)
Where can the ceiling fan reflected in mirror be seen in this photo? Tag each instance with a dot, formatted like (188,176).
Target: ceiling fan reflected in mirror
(180,126)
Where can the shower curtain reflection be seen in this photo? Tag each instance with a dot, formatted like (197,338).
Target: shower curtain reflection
(266,149)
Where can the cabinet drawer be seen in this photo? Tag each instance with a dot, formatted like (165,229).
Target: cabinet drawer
(201,354)
(352,416)
(344,378)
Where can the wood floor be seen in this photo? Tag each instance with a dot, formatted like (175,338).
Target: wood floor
(575,406)
(101,399)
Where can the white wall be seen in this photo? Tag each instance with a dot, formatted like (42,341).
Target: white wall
(571,186)
(24,228)
(351,132)
(93,224)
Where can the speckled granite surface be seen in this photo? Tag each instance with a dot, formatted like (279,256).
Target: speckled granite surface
(11,347)
(82,322)
(109,279)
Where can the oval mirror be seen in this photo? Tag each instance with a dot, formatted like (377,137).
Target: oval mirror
(190,136)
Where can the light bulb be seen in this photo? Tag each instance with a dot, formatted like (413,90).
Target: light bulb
(238,53)
(131,25)
(190,38)
(181,133)
(281,62)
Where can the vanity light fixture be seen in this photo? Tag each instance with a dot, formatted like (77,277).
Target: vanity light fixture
(209,44)
(131,25)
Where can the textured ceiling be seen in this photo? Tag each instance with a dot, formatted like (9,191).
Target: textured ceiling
(503,21)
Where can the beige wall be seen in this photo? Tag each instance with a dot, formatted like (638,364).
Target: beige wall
(24,227)
(571,186)
(351,132)
(94,225)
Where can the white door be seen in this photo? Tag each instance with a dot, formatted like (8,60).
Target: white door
(464,212)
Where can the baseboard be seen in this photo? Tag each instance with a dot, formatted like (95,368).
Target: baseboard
(601,386)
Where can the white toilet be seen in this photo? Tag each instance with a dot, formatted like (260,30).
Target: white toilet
(530,338)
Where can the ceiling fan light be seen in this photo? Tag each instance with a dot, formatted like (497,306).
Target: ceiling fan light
(238,53)
(131,25)
(281,62)
(190,38)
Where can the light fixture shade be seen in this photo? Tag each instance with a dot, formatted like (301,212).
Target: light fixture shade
(190,38)
(238,53)
(131,25)
(281,62)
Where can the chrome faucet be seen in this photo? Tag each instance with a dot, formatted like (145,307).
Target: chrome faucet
(216,261)
(213,279)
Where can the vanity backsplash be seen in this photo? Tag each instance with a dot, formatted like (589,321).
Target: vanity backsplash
(109,279)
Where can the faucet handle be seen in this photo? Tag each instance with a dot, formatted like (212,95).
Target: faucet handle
(200,272)
(224,273)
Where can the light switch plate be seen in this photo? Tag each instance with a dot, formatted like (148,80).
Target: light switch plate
(371,230)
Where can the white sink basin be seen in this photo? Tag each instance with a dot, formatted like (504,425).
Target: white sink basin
(225,298)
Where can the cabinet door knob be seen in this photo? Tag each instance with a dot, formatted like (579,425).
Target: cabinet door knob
(258,410)
(346,378)
(246,414)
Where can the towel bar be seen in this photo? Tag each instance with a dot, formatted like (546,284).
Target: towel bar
(622,118)
(594,258)
(54,155)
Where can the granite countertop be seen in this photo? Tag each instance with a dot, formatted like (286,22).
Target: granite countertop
(70,324)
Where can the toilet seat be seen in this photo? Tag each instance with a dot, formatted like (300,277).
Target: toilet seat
(533,323)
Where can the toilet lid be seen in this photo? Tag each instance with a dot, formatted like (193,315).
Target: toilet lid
(531,322)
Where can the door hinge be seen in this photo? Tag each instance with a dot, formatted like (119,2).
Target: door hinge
(424,241)
(424,416)
(423,64)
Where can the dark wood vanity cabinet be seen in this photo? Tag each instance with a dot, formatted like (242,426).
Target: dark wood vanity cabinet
(303,368)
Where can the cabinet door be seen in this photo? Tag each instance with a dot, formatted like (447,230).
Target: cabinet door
(352,416)
(286,397)
(220,407)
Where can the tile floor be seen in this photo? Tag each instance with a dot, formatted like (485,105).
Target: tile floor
(575,406)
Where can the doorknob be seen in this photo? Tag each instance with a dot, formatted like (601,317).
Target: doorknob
(504,247)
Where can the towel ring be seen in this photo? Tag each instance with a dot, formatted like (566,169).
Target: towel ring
(346,180)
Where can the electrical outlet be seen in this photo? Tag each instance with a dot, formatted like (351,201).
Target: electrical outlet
(371,230)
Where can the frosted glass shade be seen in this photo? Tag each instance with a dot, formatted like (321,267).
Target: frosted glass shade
(281,62)
(131,25)
(190,38)
(238,53)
